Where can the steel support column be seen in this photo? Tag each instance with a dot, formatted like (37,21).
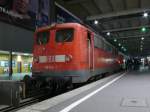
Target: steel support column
(125,29)
(117,14)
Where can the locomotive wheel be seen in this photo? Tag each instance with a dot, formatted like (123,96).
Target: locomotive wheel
(27,81)
(28,84)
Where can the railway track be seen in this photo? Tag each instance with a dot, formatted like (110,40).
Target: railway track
(25,102)
(32,100)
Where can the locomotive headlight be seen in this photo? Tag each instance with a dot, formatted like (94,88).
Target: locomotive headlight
(36,59)
(68,58)
(119,62)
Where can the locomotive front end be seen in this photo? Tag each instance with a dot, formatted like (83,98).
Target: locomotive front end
(56,53)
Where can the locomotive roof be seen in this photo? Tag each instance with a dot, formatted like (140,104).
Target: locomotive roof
(62,25)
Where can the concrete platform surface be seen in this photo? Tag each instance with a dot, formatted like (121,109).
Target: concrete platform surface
(129,92)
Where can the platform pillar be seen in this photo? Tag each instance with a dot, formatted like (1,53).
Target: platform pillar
(10,65)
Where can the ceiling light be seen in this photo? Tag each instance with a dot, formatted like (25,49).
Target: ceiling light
(145,14)
(19,59)
(95,22)
(115,40)
(26,54)
(143,29)
(142,38)
(108,33)
(119,44)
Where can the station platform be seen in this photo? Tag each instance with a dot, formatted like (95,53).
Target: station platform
(15,76)
(122,92)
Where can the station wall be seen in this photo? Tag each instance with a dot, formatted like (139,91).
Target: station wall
(15,38)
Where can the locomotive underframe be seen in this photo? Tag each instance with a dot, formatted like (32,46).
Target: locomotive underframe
(75,76)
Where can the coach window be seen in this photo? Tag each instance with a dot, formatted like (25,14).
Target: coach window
(42,38)
(64,35)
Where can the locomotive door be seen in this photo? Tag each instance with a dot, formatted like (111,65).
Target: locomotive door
(90,51)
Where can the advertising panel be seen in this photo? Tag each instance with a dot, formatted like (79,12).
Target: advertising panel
(19,12)
(31,13)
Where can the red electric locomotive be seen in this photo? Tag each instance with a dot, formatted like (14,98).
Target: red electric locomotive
(72,51)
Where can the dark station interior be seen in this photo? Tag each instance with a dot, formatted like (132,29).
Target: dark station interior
(74,55)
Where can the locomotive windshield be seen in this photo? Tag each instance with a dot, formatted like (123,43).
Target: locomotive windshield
(42,38)
(64,35)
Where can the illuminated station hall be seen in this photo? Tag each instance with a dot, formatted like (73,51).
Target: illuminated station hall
(74,55)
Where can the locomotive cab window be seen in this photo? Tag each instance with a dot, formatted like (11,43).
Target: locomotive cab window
(42,38)
(64,35)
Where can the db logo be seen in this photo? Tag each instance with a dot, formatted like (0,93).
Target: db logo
(51,59)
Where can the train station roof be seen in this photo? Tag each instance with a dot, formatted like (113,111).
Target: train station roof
(125,23)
